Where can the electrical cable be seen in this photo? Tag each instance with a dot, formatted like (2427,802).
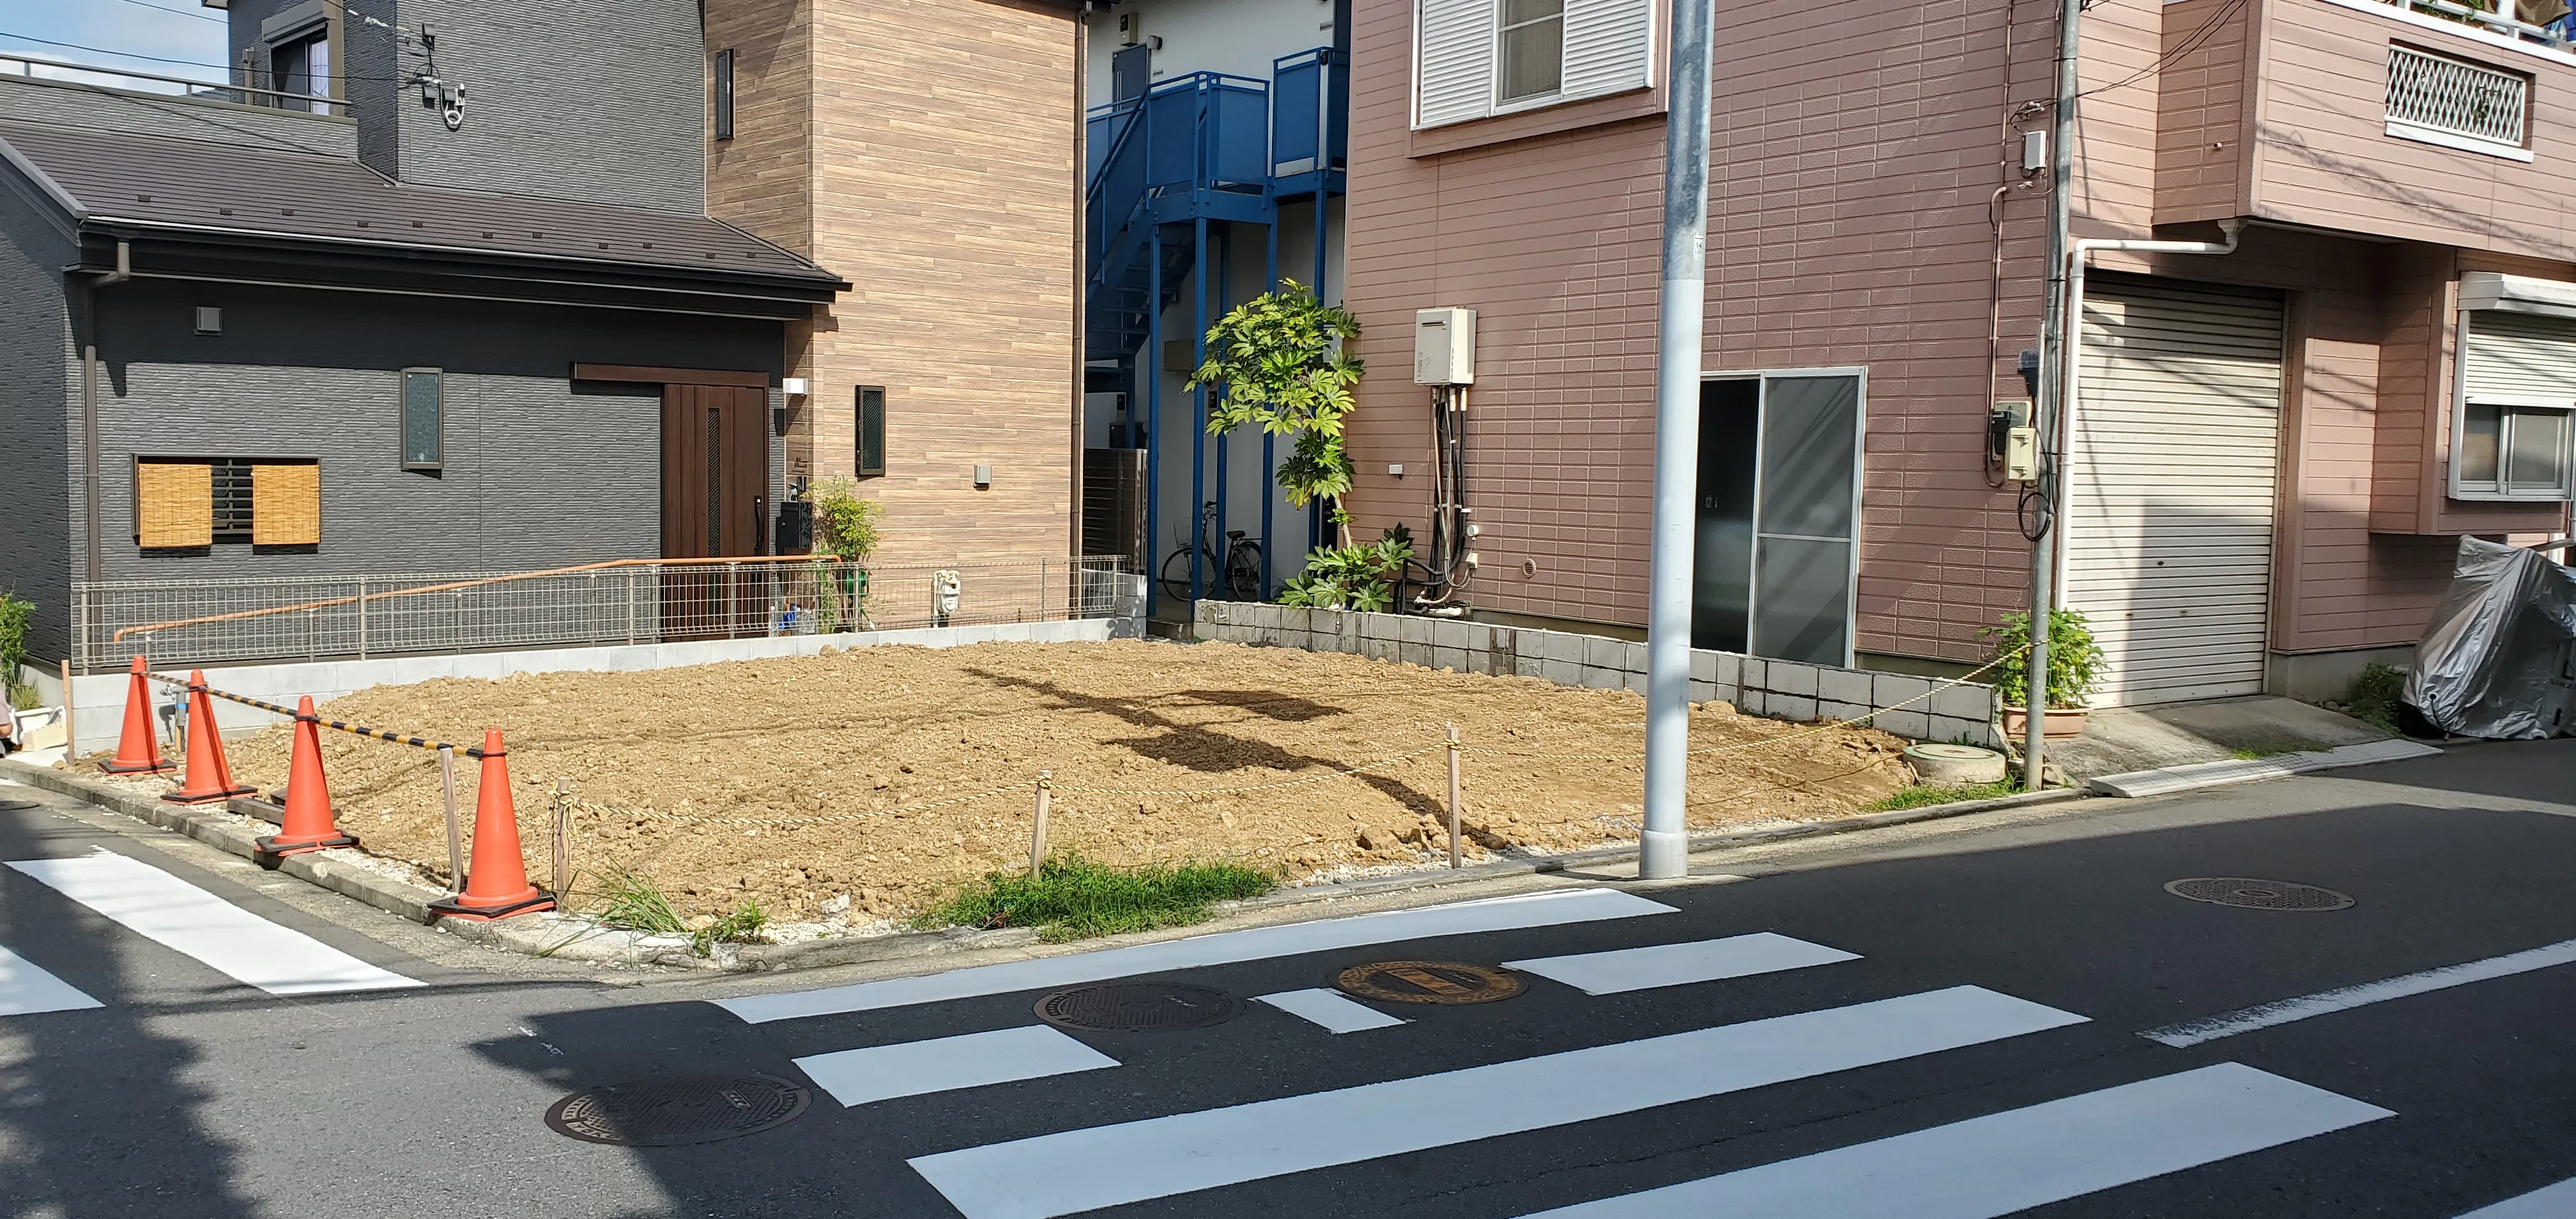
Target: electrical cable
(178,11)
(192,63)
(2191,42)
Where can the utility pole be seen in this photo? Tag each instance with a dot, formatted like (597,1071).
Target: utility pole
(1664,847)
(2051,408)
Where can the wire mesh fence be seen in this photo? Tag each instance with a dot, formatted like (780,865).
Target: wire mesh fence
(179,623)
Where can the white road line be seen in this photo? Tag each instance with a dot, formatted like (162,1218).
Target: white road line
(1224,948)
(2193,1032)
(26,989)
(944,1064)
(1609,973)
(1079,1170)
(166,909)
(2548,1202)
(2011,1161)
(1337,1012)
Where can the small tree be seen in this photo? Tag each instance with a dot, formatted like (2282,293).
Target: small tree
(845,527)
(2074,660)
(1280,359)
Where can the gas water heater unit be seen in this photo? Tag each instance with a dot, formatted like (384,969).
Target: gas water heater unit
(1444,347)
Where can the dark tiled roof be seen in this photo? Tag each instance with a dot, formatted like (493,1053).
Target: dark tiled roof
(113,175)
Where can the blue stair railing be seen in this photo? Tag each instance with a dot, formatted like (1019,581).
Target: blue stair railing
(1194,146)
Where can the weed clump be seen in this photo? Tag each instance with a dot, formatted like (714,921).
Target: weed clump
(1074,898)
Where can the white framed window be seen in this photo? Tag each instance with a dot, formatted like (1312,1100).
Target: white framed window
(2514,434)
(1478,58)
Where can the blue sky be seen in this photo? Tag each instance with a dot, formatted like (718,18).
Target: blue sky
(172,29)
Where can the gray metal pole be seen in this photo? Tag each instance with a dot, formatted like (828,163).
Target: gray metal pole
(2052,411)
(1665,846)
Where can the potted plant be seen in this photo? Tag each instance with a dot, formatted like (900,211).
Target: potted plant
(2074,664)
(845,530)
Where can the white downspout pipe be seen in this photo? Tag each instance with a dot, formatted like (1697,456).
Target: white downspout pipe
(2073,363)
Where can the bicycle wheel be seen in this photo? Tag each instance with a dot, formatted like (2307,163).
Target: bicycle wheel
(1175,575)
(1243,571)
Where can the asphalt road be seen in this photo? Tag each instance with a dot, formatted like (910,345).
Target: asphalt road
(1977,1052)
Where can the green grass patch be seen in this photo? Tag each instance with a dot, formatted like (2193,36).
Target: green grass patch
(743,926)
(2275,748)
(2374,696)
(1924,794)
(1073,898)
(631,901)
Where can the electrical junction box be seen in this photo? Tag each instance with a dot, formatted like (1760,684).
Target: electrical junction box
(2021,454)
(1444,347)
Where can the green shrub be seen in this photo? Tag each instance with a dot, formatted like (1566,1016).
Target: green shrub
(1352,577)
(2375,695)
(15,614)
(2074,660)
(743,926)
(1073,898)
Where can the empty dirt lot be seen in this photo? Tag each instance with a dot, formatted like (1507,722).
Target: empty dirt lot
(791,781)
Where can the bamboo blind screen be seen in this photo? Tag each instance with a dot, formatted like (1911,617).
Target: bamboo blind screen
(174,504)
(286,504)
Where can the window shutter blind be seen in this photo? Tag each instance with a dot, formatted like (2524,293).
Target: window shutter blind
(174,504)
(1609,46)
(2520,358)
(1454,67)
(286,504)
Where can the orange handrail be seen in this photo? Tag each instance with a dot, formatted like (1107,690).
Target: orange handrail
(452,586)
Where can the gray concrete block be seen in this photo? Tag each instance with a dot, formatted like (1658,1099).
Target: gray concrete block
(1798,707)
(1413,629)
(1843,686)
(1703,692)
(1752,673)
(1377,649)
(1562,645)
(1790,677)
(1828,709)
(1703,666)
(1899,690)
(1562,672)
(1912,725)
(1447,632)
(1597,678)
(1951,728)
(1413,653)
(1753,702)
(1601,653)
(1452,659)
(1725,692)
(1295,618)
(1633,681)
(1379,626)
(1632,657)
(1968,702)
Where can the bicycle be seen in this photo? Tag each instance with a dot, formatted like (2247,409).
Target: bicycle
(1241,571)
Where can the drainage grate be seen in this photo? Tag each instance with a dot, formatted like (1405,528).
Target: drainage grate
(2252,894)
(677,1109)
(1138,1007)
(1428,982)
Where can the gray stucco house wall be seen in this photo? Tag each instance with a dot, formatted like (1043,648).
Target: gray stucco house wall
(38,405)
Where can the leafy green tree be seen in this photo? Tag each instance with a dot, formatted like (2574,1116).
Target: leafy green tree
(1281,363)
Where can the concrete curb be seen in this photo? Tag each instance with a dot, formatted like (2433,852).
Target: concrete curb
(2194,776)
(1544,864)
(538,938)
(317,867)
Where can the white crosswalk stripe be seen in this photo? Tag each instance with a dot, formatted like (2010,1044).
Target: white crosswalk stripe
(945,1064)
(1550,909)
(26,989)
(2006,1162)
(1080,1170)
(2549,1202)
(170,911)
(1334,1011)
(1627,969)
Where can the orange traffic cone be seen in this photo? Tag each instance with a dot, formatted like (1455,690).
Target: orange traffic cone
(208,779)
(138,751)
(496,882)
(306,825)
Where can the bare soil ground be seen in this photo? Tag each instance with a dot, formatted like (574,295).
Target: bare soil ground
(711,766)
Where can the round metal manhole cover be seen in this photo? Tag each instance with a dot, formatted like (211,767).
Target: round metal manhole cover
(1138,1007)
(678,1109)
(2251,894)
(1428,982)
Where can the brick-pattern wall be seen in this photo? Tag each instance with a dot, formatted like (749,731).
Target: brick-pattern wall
(1918,708)
(39,408)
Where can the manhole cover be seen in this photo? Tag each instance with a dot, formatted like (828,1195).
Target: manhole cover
(1428,982)
(1130,1007)
(17,805)
(2257,894)
(679,1109)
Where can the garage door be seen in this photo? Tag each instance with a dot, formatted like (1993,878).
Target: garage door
(2171,472)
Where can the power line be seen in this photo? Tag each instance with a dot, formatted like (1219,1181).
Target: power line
(180,11)
(121,54)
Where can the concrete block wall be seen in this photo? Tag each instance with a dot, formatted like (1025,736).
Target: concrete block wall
(98,701)
(1909,707)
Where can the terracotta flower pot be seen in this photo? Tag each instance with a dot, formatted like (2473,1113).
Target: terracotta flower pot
(2062,723)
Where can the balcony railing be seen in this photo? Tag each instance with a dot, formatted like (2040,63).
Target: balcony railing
(2435,95)
(63,71)
(2495,17)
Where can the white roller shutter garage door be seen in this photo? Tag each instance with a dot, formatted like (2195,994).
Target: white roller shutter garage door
(2171,479)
